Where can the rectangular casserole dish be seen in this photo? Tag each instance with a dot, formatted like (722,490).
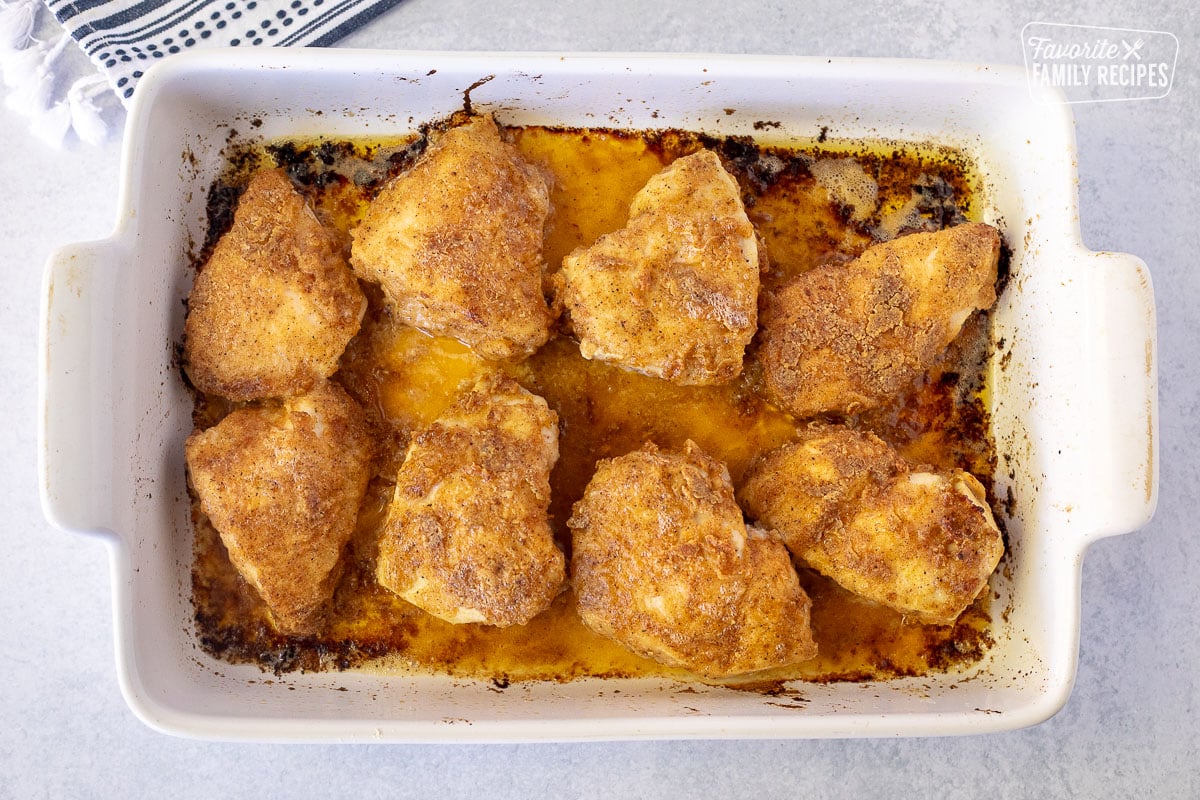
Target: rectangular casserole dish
(1073,384)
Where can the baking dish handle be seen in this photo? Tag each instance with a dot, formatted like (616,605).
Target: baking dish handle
(75,387)
(1124,446)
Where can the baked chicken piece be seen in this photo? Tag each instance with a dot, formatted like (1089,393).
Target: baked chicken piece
(673,294)
(467,536)
(918,540)
(282,484)
(844,338)
(664,564)
(275,305)
(456,243)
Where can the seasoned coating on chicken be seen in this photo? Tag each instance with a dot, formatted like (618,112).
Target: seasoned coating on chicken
(273,308)
(918,540)
(456,243)
(467,536)
(673,294)
(664,564)
(845,338)
(282,484)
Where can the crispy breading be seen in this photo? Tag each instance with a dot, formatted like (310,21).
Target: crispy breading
(282,484)
(275,305)
(467,536)
(664,564)
(456,243)
(845,338)
(919,540)
(674,293)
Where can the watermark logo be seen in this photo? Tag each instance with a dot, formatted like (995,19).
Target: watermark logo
(1093,65)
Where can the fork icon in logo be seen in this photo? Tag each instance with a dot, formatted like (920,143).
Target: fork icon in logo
(1132,49)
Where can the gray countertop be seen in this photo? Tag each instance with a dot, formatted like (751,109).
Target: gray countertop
(1131,725)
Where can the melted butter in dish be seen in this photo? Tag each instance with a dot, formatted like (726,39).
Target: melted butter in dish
(811,205)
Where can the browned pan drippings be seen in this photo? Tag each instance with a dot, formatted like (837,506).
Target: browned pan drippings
(807,203)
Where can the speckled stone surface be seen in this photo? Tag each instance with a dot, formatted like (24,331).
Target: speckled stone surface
(1131,726)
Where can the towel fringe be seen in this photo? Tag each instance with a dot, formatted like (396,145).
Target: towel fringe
(87,118)
(124,38)
(16,23)
(36,91)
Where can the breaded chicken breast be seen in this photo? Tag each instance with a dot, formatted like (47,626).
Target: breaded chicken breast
(918,540)
(674,293)
(273,308)
(663,563)
(456,243)
(282,484)
(845,338)
(467,536)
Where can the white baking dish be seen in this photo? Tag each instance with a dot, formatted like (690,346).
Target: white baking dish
(1074,386)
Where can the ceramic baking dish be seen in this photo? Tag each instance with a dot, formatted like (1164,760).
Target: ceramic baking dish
(1073,379)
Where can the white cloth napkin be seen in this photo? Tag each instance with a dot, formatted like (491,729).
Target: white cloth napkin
(123,38)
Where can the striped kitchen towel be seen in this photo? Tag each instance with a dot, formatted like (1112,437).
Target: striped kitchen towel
(124,37)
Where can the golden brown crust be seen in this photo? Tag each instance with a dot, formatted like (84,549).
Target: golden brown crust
(663,563)
(275,305)
(845,338)
(468,537)
(282,485)
(800,489)
(917,540)
(674,293)
(456,243)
